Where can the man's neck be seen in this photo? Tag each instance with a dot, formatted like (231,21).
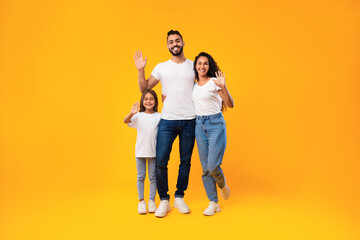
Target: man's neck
(178,59)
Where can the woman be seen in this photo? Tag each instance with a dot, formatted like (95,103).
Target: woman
(211,97)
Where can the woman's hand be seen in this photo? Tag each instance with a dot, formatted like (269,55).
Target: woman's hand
(220,79)
(224,92)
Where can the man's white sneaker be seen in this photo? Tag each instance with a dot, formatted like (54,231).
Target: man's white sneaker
(225,191)
(152,206)
(181,205)
(163,208)
(142,207)
(212,209)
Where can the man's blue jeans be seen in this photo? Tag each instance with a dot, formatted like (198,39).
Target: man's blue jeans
(167,132)
(211,141)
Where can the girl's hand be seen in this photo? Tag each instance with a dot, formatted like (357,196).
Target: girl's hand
(140,63)
(220,79)
(135,108)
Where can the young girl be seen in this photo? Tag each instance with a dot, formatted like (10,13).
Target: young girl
(146,123)
(210,97)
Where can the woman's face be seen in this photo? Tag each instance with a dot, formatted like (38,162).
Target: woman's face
(202,66)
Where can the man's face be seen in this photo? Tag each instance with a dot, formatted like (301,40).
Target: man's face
(175,44)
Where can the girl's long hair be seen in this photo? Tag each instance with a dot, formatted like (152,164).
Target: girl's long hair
(152,92)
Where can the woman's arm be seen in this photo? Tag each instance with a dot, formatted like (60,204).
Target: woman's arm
(224,92)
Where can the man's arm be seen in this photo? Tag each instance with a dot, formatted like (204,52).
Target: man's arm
(140,64)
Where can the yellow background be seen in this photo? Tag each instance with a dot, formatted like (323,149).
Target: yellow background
(67,80)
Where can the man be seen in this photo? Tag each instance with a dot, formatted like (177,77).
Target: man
(177,118)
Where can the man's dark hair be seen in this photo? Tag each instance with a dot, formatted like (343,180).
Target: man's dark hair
(171,32)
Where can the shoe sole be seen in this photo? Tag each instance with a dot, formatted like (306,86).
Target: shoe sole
(183,212)
(169,209)
(216,210)
(151,211)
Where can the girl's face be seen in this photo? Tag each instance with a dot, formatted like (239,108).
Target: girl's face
(149,102)
(202,66)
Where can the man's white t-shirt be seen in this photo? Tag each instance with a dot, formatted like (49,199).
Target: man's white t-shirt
(207,99)
(146,125)
(177,81)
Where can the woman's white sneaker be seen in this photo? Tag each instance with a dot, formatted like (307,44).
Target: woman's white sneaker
(152,206)
(163,208)
(142,207)
(212,209)
(225,191)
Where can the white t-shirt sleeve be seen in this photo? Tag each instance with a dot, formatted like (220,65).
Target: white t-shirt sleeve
(133,121)
(156,73)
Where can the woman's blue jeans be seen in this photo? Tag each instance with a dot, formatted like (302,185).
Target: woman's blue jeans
(168,130)
(211,141)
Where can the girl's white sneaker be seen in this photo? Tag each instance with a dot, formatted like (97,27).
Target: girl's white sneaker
(212,209)
(152,206)
(142,207)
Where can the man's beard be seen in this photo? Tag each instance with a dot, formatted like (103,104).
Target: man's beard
(178,53)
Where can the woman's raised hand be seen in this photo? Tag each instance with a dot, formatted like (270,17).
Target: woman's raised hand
(140,63)
(220,79)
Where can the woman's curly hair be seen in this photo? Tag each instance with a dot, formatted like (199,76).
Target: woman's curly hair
(213,67)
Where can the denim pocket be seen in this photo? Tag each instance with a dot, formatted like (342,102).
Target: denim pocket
(216,121)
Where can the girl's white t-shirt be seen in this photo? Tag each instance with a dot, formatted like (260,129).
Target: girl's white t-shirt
(206,98)
(146,125)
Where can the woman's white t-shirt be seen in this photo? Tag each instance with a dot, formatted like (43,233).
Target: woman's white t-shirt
(146,125)
(206,98)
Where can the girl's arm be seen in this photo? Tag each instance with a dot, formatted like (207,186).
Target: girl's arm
(133,111)
(224,92)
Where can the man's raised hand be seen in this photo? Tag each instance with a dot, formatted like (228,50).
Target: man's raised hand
(140,63)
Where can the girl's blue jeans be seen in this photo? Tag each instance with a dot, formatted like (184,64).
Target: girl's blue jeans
(141,174)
